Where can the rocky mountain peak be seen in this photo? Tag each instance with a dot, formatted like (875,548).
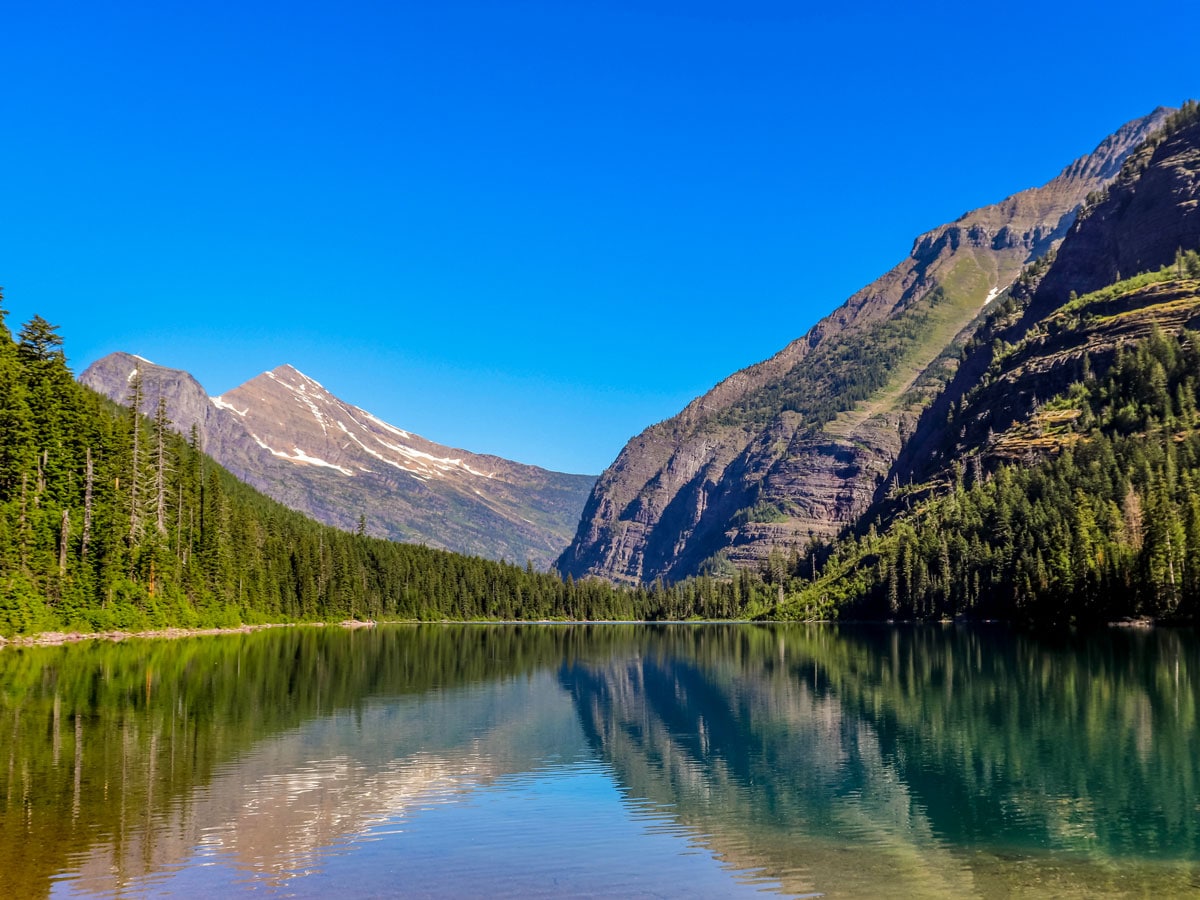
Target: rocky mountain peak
(1103,163)
(1149,212)
(286,434)
(289,376)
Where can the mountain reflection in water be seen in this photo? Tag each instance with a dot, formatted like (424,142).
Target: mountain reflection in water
(949,761)
(680,760)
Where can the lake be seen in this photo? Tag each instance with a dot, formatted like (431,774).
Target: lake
(605,761)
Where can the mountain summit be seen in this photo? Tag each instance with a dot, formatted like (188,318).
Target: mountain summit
(797,446)
(286,435)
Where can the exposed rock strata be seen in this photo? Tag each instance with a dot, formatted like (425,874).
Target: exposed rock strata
(1149,213)
(754,465)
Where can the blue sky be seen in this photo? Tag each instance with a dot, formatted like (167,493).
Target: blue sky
(523,227)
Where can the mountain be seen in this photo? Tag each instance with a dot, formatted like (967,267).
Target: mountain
(111,521)
(1138,225)
(798,446)
(1058,475)
(286,435)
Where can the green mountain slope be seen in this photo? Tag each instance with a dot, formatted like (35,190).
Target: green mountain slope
(796,446)
(1086,506)
(1058,476)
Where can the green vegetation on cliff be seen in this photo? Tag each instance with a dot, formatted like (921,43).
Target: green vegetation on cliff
(1086,509)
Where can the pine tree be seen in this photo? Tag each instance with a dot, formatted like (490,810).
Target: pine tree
(16,422)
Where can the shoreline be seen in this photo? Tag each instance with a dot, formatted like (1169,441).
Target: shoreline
(59,638)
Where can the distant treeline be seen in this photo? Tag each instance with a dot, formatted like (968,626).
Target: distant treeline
(109,520)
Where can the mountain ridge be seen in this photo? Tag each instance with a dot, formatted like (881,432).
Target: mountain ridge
(284,433)
(794,447)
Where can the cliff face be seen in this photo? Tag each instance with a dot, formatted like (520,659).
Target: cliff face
(1052,479)
(797,445)
(286,435)
(1150,212)
(991,407)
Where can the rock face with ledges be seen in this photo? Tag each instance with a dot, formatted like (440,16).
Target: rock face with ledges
(991,408)
(286,435)
(797,446)
(1149,213)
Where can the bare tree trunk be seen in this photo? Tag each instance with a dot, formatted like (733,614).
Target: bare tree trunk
(179,525)
(64,536)
(23,522)
(87,506)
(41,476)
(1171,570)
(135,499)
(160,466)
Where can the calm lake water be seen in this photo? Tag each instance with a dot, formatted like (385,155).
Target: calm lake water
(611,760)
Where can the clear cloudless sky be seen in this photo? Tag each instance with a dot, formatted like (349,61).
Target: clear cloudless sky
(523,227)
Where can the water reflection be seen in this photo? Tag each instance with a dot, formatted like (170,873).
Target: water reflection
(276,812)
(609,760)
(103,740)
(950,761)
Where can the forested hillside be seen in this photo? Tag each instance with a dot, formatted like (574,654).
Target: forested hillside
(1058,476)
(1088,509)
(109,520)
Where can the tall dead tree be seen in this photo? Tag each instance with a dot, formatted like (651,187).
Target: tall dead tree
(161,424)
(87,505)
(136,396)
(64,535)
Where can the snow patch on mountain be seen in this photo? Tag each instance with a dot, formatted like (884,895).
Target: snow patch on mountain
(440,463)
(312,407)
(220,403)
(299,456)
(312,381)
(426,464)
(300,392)
(423,476)
(382,424)
(994,293)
